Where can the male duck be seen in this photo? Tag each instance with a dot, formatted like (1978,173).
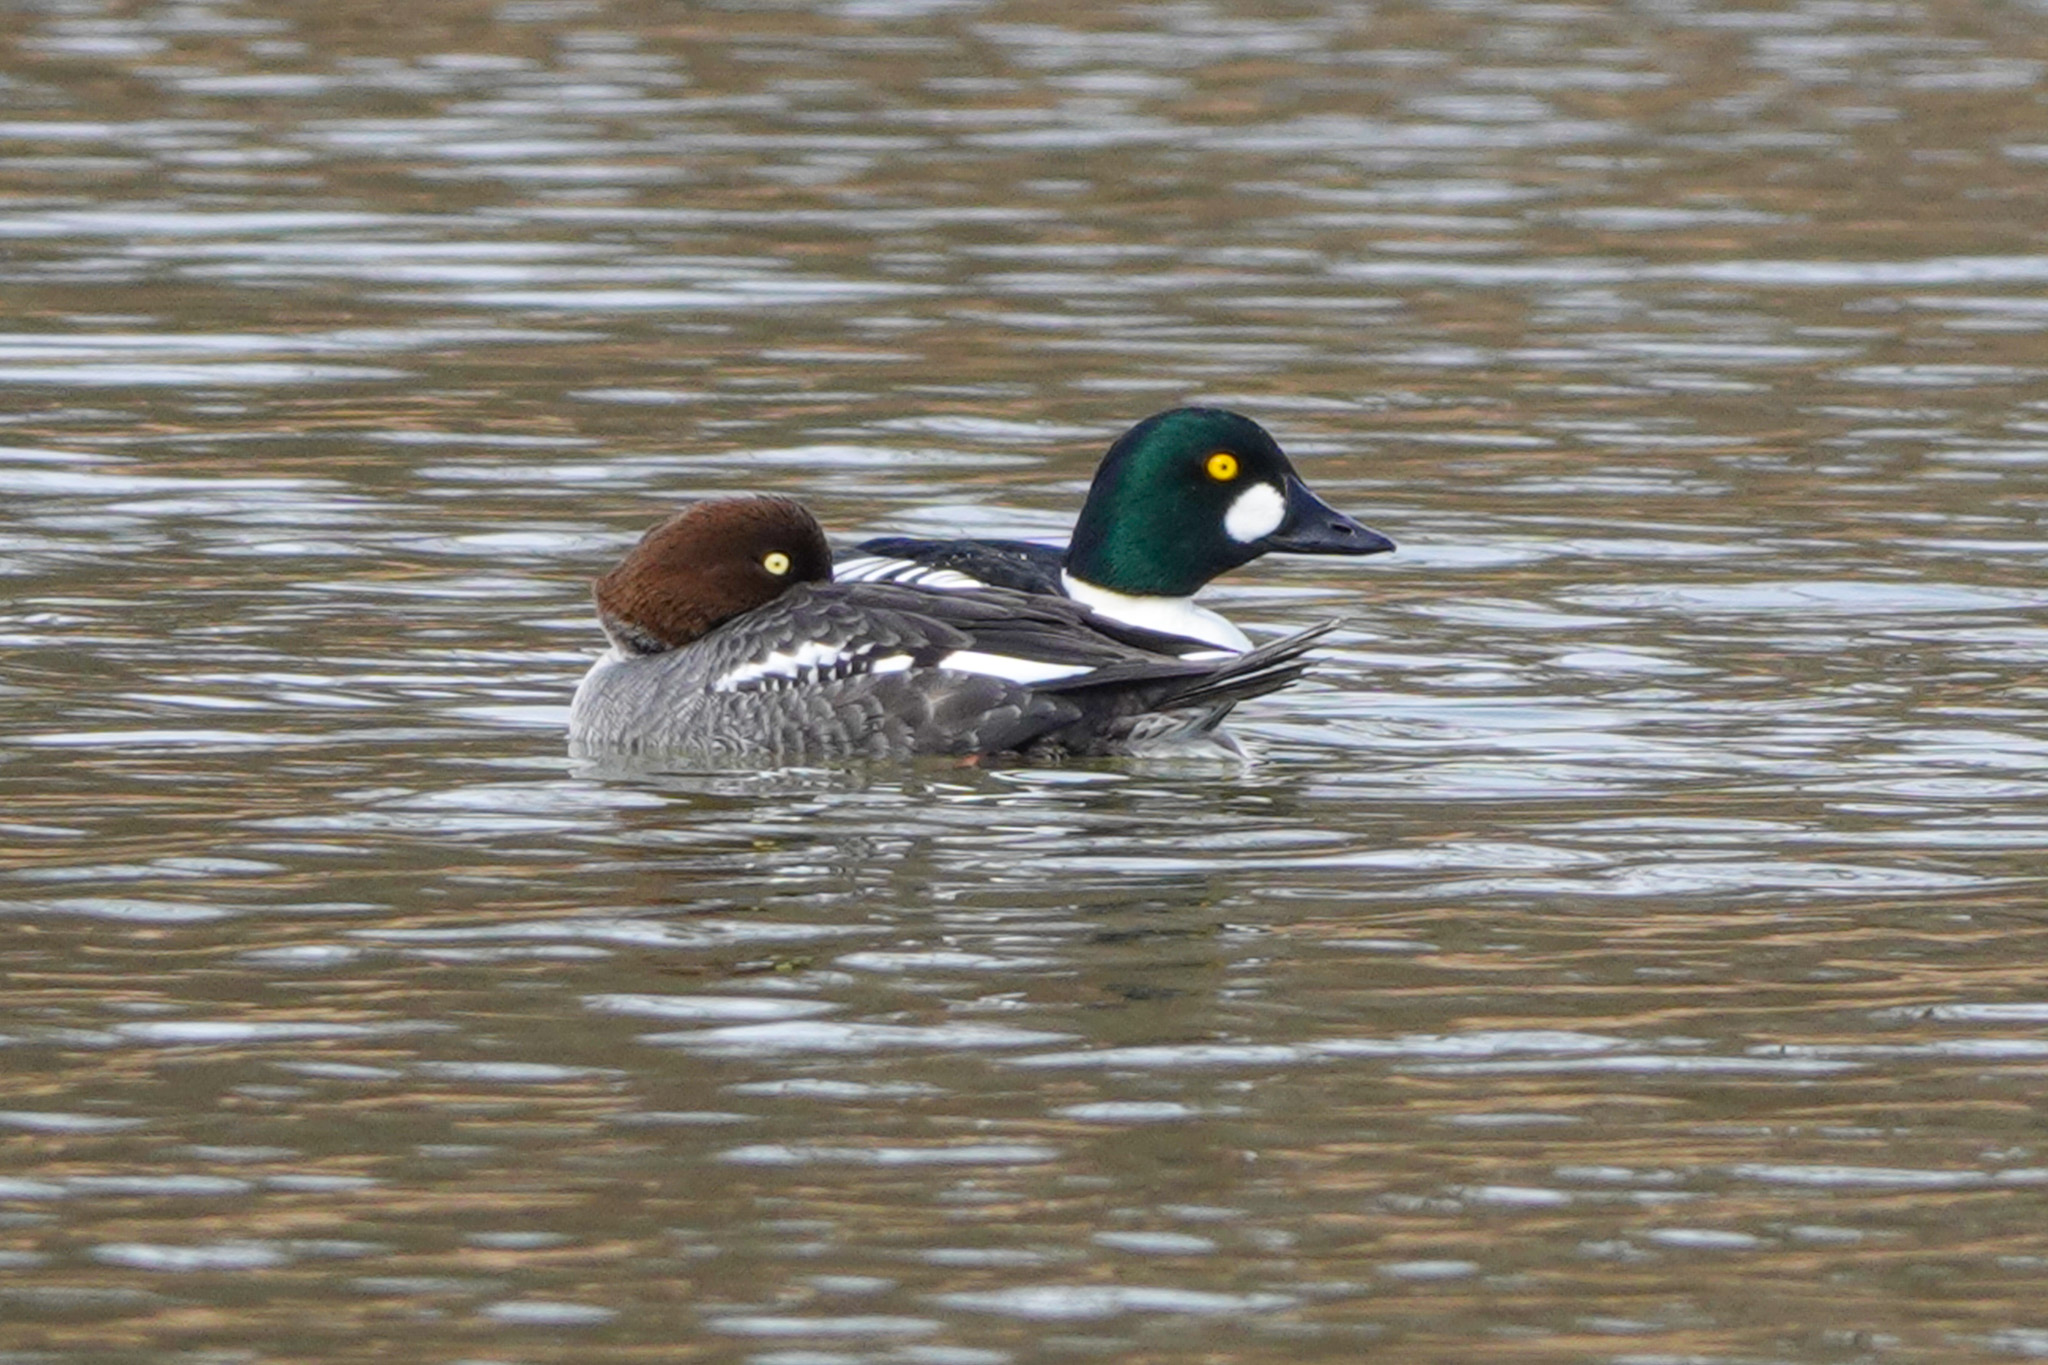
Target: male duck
(731,648)
(1181,497)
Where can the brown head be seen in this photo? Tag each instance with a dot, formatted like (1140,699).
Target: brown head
(706,565)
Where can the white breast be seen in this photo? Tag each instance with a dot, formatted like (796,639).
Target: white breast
(1167,615)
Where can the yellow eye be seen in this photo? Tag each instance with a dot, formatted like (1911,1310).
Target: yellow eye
(1222,466)
(775,562)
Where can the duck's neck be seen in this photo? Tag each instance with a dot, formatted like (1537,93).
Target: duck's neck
(629,638)
(1168,615)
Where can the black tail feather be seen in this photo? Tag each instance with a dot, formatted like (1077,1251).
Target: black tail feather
(1167,684)
(1270,667)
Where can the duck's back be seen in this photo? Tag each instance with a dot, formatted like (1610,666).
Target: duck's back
(831,672)
(836,671)
(1019,565)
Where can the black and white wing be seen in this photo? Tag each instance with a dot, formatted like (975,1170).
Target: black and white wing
(832,632)
(835,671)
(1019,565)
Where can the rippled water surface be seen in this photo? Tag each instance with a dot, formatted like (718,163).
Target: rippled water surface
(1629,949)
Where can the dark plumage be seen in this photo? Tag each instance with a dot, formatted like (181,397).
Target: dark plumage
(1181,497)
(1019,565)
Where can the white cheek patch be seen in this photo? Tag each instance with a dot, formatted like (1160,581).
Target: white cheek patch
(1256,514)
(1010,669)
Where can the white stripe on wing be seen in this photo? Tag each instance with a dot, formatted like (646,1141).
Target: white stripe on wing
(878,569)
(1009,668)
(810,656)
(812,661)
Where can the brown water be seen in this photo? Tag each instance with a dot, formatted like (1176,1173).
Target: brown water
(1630,950)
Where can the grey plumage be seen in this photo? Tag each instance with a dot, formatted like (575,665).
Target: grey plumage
(829,672)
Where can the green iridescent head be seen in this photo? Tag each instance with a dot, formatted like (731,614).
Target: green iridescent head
(1190,493)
